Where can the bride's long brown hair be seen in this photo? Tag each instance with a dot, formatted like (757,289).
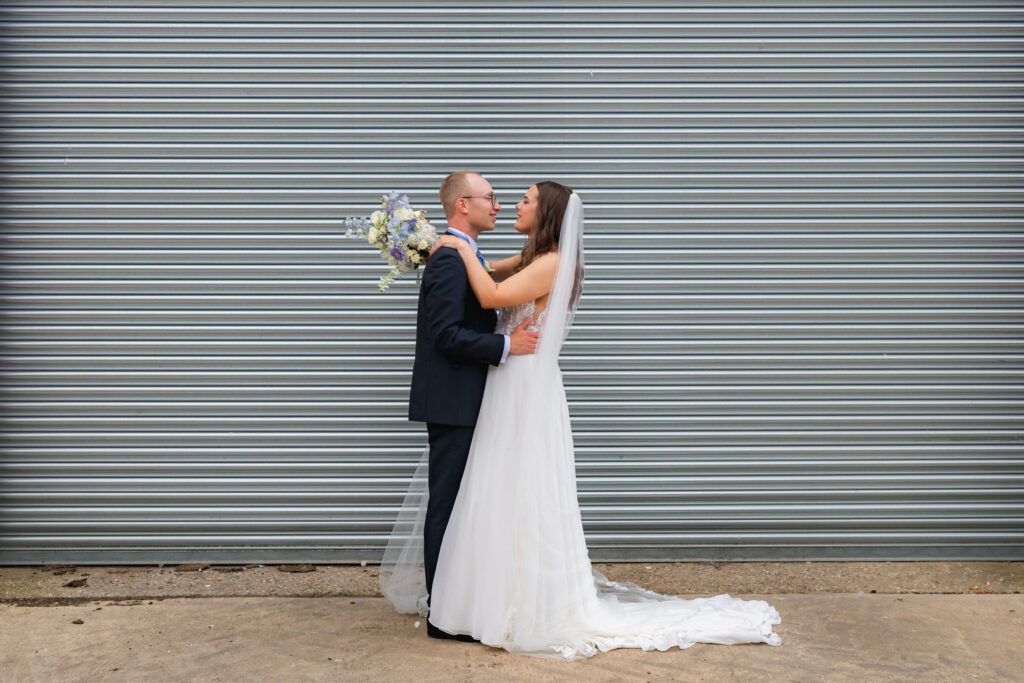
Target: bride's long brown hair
(552,198)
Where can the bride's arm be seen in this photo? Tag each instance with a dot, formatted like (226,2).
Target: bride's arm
(529,284)
(502,269)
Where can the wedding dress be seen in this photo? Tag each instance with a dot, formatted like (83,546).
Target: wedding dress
(514,570)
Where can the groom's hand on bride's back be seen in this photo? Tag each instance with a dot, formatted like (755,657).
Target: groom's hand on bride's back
(523,342)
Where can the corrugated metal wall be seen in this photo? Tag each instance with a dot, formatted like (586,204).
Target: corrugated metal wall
(801,335)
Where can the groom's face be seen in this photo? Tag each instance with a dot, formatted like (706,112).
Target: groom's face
(482,213)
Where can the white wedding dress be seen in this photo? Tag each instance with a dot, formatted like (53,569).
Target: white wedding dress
(513,570)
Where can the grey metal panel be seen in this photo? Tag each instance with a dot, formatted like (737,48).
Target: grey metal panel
(801,335)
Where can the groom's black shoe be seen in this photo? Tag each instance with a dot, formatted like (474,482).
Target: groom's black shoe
(435,632)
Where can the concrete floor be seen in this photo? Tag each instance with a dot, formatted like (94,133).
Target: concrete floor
(841,621)
(825,637)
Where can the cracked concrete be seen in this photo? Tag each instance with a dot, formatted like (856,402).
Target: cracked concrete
(37,584)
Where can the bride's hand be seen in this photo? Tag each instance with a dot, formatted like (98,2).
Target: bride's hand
(447,241)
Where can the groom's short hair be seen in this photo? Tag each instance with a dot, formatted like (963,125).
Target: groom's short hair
(454,186)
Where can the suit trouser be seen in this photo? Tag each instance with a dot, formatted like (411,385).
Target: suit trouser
(449,449)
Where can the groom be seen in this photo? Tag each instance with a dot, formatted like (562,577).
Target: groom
(455,342)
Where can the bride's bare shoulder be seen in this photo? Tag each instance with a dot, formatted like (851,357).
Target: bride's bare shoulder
(547,259)
(543,266)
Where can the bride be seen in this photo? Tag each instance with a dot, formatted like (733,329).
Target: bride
(513,570)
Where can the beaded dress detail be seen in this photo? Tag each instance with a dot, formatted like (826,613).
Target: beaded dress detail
(510,318)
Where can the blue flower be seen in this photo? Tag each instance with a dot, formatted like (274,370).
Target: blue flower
(397,201)
(398,253)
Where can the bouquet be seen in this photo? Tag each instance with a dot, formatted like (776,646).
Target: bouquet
(402,234)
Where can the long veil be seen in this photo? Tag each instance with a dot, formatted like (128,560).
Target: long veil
(402,576)
(568,284)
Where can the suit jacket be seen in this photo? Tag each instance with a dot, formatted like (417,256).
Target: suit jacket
(455,342)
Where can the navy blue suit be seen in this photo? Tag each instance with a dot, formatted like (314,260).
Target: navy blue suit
(455,343)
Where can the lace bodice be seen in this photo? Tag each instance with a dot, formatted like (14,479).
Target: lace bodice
(509,318)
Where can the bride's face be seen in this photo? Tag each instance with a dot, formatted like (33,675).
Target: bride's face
(526,212)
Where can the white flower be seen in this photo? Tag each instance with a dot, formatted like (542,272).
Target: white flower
(405,215)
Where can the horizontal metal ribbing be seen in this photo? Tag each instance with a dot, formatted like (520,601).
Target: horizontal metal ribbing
(802,327)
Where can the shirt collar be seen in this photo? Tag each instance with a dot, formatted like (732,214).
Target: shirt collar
(459,233)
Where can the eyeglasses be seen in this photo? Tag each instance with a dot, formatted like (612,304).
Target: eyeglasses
(491,196)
